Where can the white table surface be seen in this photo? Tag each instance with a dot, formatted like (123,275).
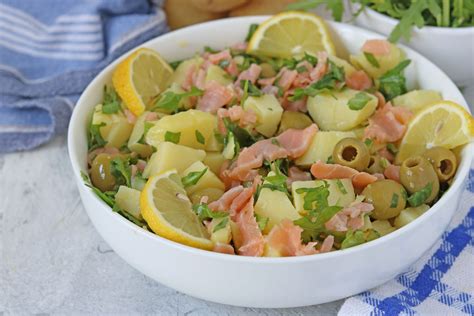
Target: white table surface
(52,261)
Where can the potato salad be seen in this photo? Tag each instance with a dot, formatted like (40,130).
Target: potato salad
(259,150)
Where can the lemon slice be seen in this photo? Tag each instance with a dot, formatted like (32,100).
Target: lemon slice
(444,124)
(291,34)
(168,211)
(140,78)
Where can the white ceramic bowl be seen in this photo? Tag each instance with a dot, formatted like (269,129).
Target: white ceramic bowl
(452,49)
(263,282)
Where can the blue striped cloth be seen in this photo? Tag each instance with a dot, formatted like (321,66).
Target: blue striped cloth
(50,50)
(440,283)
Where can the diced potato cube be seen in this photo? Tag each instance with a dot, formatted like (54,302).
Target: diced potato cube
(179,75)
(213,194)
(128,199)
(296,120)
(143,150)
(171,156)
(236,235)
(386,62)
(216,73)
(321,147)
(348,68)
(214,144)
(409,214)
(116,130)
(208,180)
(337,195)
(417,99)
(214,160)
(268,111)
(383,227)
(276,206)
(330,110)
(186,123)
(269,251)
(223,235)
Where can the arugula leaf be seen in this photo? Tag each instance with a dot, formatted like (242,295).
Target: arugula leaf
(95,140)
(359,101)
(121,170)
(253,27)
(172,137)
(204,212)
(371,59)
(358,237)
(276,183)
(175,64)
(393,82)
(392,148)
(127,215)
(208,49)
(108,197)
(335,6)
(420,197)
(261,221)
(170,101)
(199,137)
(394,201)
(242,136)
(192,178)
(249,90)
(411,17)
(111,102)
(315,198)
(314,225)
(310,58)
(330,159)
(222,224)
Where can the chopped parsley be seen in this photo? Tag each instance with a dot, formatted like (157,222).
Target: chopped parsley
(192,178)
(199,137)
(222,224)
(358,237)
(392,149)
(261,221)
(359,101)
(393,82)
(95,140)
(253,27)
(120,169)
(341,187)
(394,201)
(371,59)
(172,137)
(368,142)
(420,197)
(205,213)
(170,101)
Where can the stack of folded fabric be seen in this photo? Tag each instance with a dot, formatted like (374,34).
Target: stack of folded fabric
(50,50)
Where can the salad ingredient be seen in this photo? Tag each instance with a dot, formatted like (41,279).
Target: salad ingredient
(114,128)
(140,77)
(375,165)
(268,111)
(214,161)
(351,152)
(186,123)
(142,125)
(291,34)
(182,75)
(383,227)
(128,199)
(387,197)
(101,172)
(416,173)
(388,124)
(207,180)
(417,99)
(322,146)
(168,211)
(443,124)
(409,214)
(295,120)
(217,74)
(171,156)
(443,161)
(383,57)
(330,110)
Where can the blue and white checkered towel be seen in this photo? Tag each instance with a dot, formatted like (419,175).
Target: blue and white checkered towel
(440,283)
(50,50)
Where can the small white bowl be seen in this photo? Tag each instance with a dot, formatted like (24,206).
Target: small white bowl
(263,282)
(452,49)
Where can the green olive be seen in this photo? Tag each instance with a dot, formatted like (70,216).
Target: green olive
(375,165)
(267,70)
(387,197)
(296,120)
(416,173)
(101,173)
(351,152)
(443,161)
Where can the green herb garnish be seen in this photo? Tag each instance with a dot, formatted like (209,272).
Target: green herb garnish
(222,224)
(253,27)
(95,140)
(121,170)
(371,59)
(170,101)
(392,149)
(172,137)
(393,82)
(205,213)
(111,102)
(341,187)
(192,178)
(261,221)
(420,197)
(394,201)
(358,237)
(359,101)
(199,137)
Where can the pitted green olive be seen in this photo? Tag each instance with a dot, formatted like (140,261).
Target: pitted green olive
(416,173)
(443,161)
(101,173)
(387,197)
(351,152)
(375,165)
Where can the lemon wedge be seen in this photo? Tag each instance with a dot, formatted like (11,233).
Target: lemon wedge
(291,34)
(443,123)
(168,211)
(141,77)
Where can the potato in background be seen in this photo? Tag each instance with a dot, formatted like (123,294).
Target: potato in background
(180,13)
(217,5)
(261,7)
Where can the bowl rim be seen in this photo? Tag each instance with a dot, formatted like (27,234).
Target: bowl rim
(428,29)
(74,126)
